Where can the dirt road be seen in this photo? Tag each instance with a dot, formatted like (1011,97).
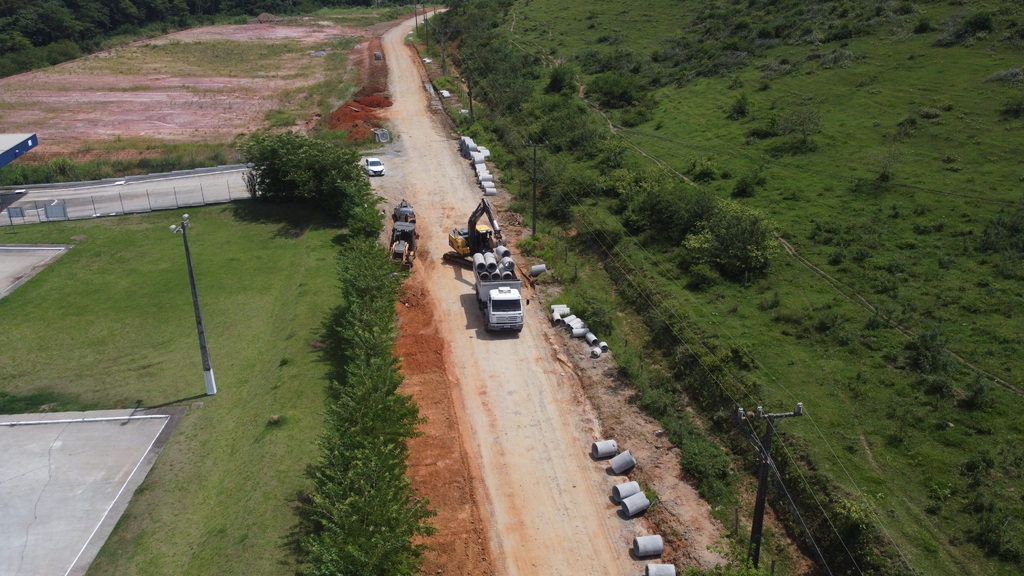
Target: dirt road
(524,427)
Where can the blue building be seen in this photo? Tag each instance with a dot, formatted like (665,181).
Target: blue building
(14,145)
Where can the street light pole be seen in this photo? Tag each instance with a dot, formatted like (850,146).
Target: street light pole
(211,384)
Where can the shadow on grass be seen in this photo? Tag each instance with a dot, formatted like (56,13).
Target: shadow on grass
(293,219)
(174,402)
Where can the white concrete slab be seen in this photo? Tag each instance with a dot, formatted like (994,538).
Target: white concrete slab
(65,479)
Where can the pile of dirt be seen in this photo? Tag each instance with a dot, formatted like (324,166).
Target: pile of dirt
(358,117)
(265,18)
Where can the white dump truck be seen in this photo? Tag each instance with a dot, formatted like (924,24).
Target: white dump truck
(499,295)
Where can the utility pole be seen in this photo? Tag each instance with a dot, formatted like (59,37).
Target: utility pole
(535,146)
(762,480)
(469,88)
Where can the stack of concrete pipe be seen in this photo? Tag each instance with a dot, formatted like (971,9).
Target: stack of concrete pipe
(560,316)
(477,155)
(660,570)
(558,311)
(489,267)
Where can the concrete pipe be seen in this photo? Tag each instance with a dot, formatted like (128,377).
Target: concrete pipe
(490,261)
(648,546)
(578,332)
(603,346)
(478,262)
(506,274)
(507,264)
(622,491)
(591,339)
(488,185)
(560,308)
(595,352)
(660,570)
(485,177)
(538,270)
(486,152)
(502,252)
(623,462)
(568,318)
(635,504)
(603,449)
(556,318)
(477,158)
(468,144)
(490,192)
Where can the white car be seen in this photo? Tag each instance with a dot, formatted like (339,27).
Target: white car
(374,167)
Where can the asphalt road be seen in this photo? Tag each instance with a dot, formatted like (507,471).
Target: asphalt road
(133,194)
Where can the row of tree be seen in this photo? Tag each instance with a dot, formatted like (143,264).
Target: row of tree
(360,515)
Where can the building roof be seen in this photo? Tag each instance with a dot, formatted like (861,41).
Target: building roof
(14,145)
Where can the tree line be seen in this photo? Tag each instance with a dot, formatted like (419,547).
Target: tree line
(39,33)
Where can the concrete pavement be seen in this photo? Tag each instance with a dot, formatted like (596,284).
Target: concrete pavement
(66,478)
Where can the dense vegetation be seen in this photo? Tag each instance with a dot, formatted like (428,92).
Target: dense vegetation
(39,33)
(814,202)
(361,515)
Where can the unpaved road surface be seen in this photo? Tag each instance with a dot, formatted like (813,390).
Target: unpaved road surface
(505,455)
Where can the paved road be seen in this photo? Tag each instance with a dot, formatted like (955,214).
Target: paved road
(133,194)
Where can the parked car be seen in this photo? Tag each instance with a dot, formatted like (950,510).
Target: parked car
(374,167)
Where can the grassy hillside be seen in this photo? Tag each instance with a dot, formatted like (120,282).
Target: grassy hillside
(880,141)
(110,324)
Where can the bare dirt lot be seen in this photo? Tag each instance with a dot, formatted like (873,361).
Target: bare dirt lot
(504,451)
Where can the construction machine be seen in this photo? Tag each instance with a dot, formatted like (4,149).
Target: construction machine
(403,212)
(403,243)
(475,238)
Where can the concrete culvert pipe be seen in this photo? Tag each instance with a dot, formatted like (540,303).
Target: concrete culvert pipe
(538,270)
(603,449)
(635,504)
(506,263)
(603,346)
(591,339)
(561,308)
(556,318)
(477,157)
(623,462)
(506,274)
(578,332)
(660,570)
(568,318)
(648,546)
(502,252)
(622,491)
(490,261)
(478,262)
(485,177)
(595,352)
(490,192)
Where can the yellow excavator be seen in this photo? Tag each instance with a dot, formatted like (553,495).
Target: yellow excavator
(476,237)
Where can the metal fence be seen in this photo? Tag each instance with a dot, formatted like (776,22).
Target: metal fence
(128,196)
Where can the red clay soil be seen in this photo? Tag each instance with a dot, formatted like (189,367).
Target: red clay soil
(438,466)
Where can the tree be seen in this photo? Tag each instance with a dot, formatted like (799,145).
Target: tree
(292,168)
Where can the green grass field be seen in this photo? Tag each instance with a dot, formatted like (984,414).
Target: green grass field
(907,449)
(110,325)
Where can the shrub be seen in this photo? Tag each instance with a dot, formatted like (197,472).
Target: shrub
(740,108)
(1013,108)
(613,89)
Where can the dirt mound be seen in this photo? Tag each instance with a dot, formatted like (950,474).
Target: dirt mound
(357,119)
(265,18)
(374,102)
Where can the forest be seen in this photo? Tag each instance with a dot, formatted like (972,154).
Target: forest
(35,34)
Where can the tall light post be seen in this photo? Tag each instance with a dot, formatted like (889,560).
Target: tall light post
(211,384)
